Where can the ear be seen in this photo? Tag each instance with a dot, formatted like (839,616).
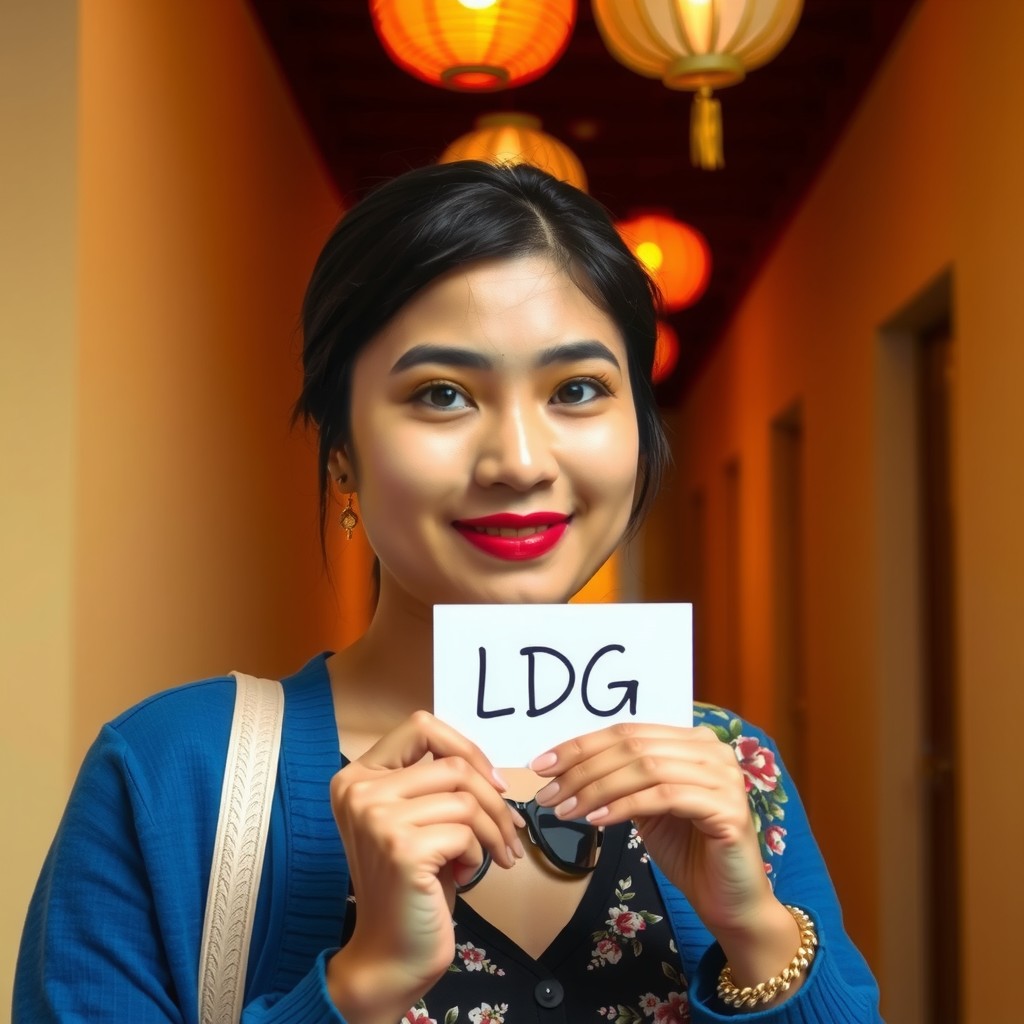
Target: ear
(340,467)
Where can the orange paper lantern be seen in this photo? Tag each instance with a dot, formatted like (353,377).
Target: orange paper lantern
(474,45)
(676,255)
(517,139)
(666,352)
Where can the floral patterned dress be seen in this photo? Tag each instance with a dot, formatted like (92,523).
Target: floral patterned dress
(616,959)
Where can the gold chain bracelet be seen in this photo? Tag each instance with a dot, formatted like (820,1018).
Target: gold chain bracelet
(732,995)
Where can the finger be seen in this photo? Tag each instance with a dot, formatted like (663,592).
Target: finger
(619,772)
(436,848)
(396,822)
(425,857)
(637,761)
(641,753)
(431,776)
(421,734)
(718,815)
(562,757)
(360,789)
(666,777)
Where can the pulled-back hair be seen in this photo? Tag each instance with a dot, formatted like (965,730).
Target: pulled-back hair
(426,222)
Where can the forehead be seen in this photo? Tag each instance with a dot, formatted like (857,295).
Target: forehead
(521,302)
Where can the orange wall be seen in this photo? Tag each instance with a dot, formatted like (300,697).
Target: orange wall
(988,224)
(926,178)
(202,207)
(164,211)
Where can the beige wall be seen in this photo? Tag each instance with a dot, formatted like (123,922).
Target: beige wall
(158,515)
(37,406)
(927,180)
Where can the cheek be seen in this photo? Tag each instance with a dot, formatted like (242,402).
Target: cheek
(607,452)
(401,469)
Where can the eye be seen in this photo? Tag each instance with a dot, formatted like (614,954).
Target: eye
(579,391)
(442,396)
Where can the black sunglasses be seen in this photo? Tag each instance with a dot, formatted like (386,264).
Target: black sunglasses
(571,845)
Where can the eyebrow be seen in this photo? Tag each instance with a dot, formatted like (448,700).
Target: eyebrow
(450,355)
(573,351)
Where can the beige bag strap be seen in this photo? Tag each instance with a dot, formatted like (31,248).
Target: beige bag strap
(250,772)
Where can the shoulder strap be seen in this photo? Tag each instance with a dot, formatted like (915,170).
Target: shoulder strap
(250,772)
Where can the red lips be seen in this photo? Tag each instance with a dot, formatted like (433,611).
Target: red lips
(512,537)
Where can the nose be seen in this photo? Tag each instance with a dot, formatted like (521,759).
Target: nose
(516,449)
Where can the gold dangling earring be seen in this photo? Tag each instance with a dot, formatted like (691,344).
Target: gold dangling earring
(348,519)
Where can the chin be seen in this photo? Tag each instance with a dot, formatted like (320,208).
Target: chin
(533,591)
(510,595)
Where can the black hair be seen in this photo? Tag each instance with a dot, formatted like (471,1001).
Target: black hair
(416,227)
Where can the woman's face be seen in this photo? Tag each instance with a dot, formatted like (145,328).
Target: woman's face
(494,438)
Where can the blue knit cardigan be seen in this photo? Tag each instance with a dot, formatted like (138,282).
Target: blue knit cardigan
(115,923)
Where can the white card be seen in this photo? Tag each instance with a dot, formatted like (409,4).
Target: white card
(518,679)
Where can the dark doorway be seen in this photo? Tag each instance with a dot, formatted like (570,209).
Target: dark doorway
(938,604)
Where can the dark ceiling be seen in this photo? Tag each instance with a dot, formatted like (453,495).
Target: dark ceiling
(371,120)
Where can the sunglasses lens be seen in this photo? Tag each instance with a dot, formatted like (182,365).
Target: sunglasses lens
(574,843)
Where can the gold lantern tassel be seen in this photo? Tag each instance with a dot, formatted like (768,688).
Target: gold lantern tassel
(706,131)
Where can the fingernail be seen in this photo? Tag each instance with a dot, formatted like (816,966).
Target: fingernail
(511,855)
(517,845)
(502,784)
(597,814)
(542,761)
(519,820)
(566,807)
(549,792)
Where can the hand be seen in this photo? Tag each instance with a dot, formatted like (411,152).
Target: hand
(413,829)
(684,789)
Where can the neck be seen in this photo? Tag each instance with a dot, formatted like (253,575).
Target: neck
(388,673)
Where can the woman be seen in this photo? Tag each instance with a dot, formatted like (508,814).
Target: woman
(477,351)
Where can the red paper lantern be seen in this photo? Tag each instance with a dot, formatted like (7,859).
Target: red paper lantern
(666,352)
(474,45)
(676,255)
